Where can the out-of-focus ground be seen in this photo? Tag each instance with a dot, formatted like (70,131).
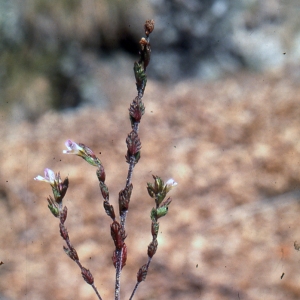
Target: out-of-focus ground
(222,119)
(233,148)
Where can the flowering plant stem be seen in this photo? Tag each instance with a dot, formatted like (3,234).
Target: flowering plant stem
(141,84)
(76,258)
(158,190)
(138,282)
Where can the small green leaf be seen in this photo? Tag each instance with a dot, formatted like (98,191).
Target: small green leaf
(161,211)
(54,210)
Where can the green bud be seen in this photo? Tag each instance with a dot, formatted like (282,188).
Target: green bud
(56,193)
(54,207)
(54,210)
(72,253)
(158,213)
(104,190)
(140,76)
(158,184)
(139,72)
(161,211)
(94,161)
(150,190)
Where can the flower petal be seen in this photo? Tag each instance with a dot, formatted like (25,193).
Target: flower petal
(69,144)
(73,148)
(40,178)
(49,175)
(171,182)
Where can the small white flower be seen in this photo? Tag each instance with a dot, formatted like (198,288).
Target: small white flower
(49,176)
(170,184)
(73,148)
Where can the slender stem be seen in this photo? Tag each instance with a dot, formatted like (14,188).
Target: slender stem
(68,242)
(122,223)
(130,170)
(149,261)
(138,283)
(135,127)
(119,260)
(123,215)
(134,290)
(96,291)
(123,219)
(118,274)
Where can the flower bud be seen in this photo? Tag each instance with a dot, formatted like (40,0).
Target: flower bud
(63,215)
(123,258)
(158,184)
(136,110)
(124,255)
(133,158)
(53,207)
(150,190)
(117,234)
(87,275)
(63,231)
(109,209)
(142,273)
(124,198)
(145,52)
(133,143)
(83,151)
(149,27)
(152,248)
(72,253)
(63,187)
(104,190)
(140,76)
(101,173)
(161,212)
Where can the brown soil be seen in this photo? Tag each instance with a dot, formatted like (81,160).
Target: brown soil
(233,146)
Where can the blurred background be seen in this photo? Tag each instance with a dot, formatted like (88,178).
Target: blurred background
(222,118)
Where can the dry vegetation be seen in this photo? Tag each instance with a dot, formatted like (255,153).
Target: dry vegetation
(233,147)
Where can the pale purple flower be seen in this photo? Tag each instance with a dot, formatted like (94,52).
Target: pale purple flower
(73,148)
(83,151)
(49,176)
